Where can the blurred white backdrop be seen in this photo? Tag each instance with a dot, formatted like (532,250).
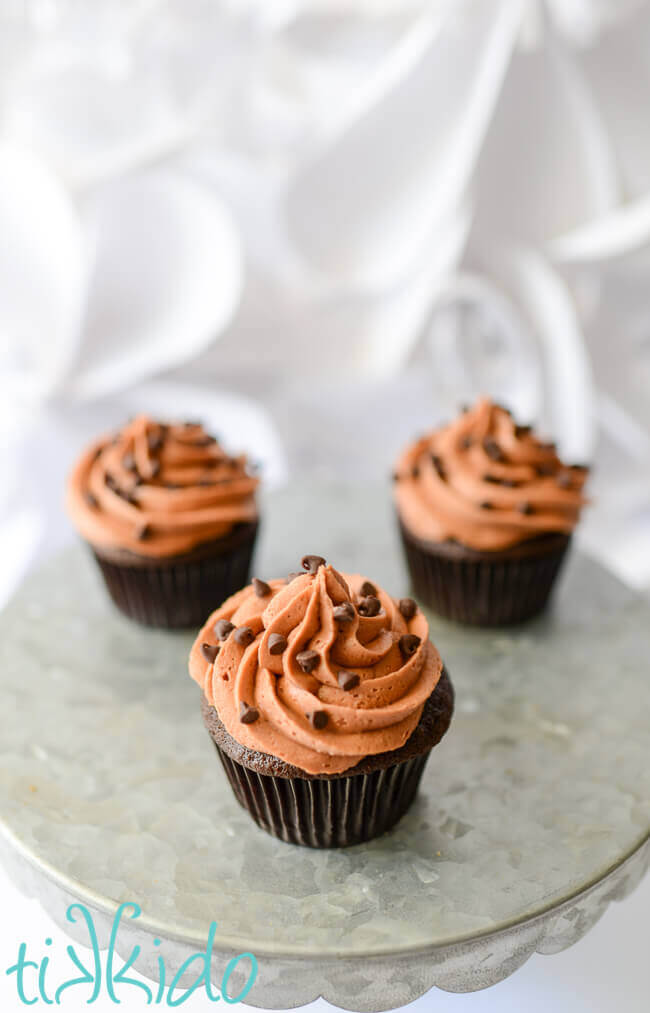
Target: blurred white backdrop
(264,210)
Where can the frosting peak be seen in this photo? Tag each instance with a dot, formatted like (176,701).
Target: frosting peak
(320,671)
(159,489)
(486,482)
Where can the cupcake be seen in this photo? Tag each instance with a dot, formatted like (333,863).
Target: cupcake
(486,511)
(170,517)
(323,697)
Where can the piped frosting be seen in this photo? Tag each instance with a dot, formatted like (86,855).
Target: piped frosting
(486,482)
(159,489)
(317,671)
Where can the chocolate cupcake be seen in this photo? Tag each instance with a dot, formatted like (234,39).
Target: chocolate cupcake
(323,697)
(486,511)
(170,517)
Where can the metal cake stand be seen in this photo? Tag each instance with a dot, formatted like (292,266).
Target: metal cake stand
(534,812)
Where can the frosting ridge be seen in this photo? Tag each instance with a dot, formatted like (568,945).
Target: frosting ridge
(329,676)
(159,489)
(486,482)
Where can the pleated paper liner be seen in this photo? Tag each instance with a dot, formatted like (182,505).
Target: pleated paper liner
(336,810)
(326,813)
(182,591)
(485,588)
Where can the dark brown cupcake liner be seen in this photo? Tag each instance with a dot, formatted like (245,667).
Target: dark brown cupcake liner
(485,588)
(326,813)
(332,810)
(179,592)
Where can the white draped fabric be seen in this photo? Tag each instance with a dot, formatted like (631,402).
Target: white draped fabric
(301,200)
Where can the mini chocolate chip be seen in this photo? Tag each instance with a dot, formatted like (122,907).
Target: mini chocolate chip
(277,643)
(525,508)
(415,471)
(247,715)
(128,462)
(312,563)
(369,606)
(564,480)
(261,588)
(407,607)
(348,680)
(492,449)
(466,442)
(223,628)
(545,469)
(486,505)
(142,532)
(243,636)
(210,651)
(318,719)
(438,465)
(408,644)
(344,613)
(367,588)
(110,481)
(522,431)
(308,660)
(491,478)
(396,476)
(90,499)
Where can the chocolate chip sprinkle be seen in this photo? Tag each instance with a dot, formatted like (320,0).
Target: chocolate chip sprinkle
(344,613)
(308,660)
(312,563)
(223,628)
(243,636)
(407,607)
(210,651)
(438,465)
(492,449)
(348,680)
(367,588)
(247,715)
(369,606)
(277,643)
(408,644)
(318,719)
(486,505)
(526,508)
(261,588)
(522,430)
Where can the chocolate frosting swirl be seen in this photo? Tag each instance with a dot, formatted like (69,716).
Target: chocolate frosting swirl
(486,482)
(284,656)
(159,489)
